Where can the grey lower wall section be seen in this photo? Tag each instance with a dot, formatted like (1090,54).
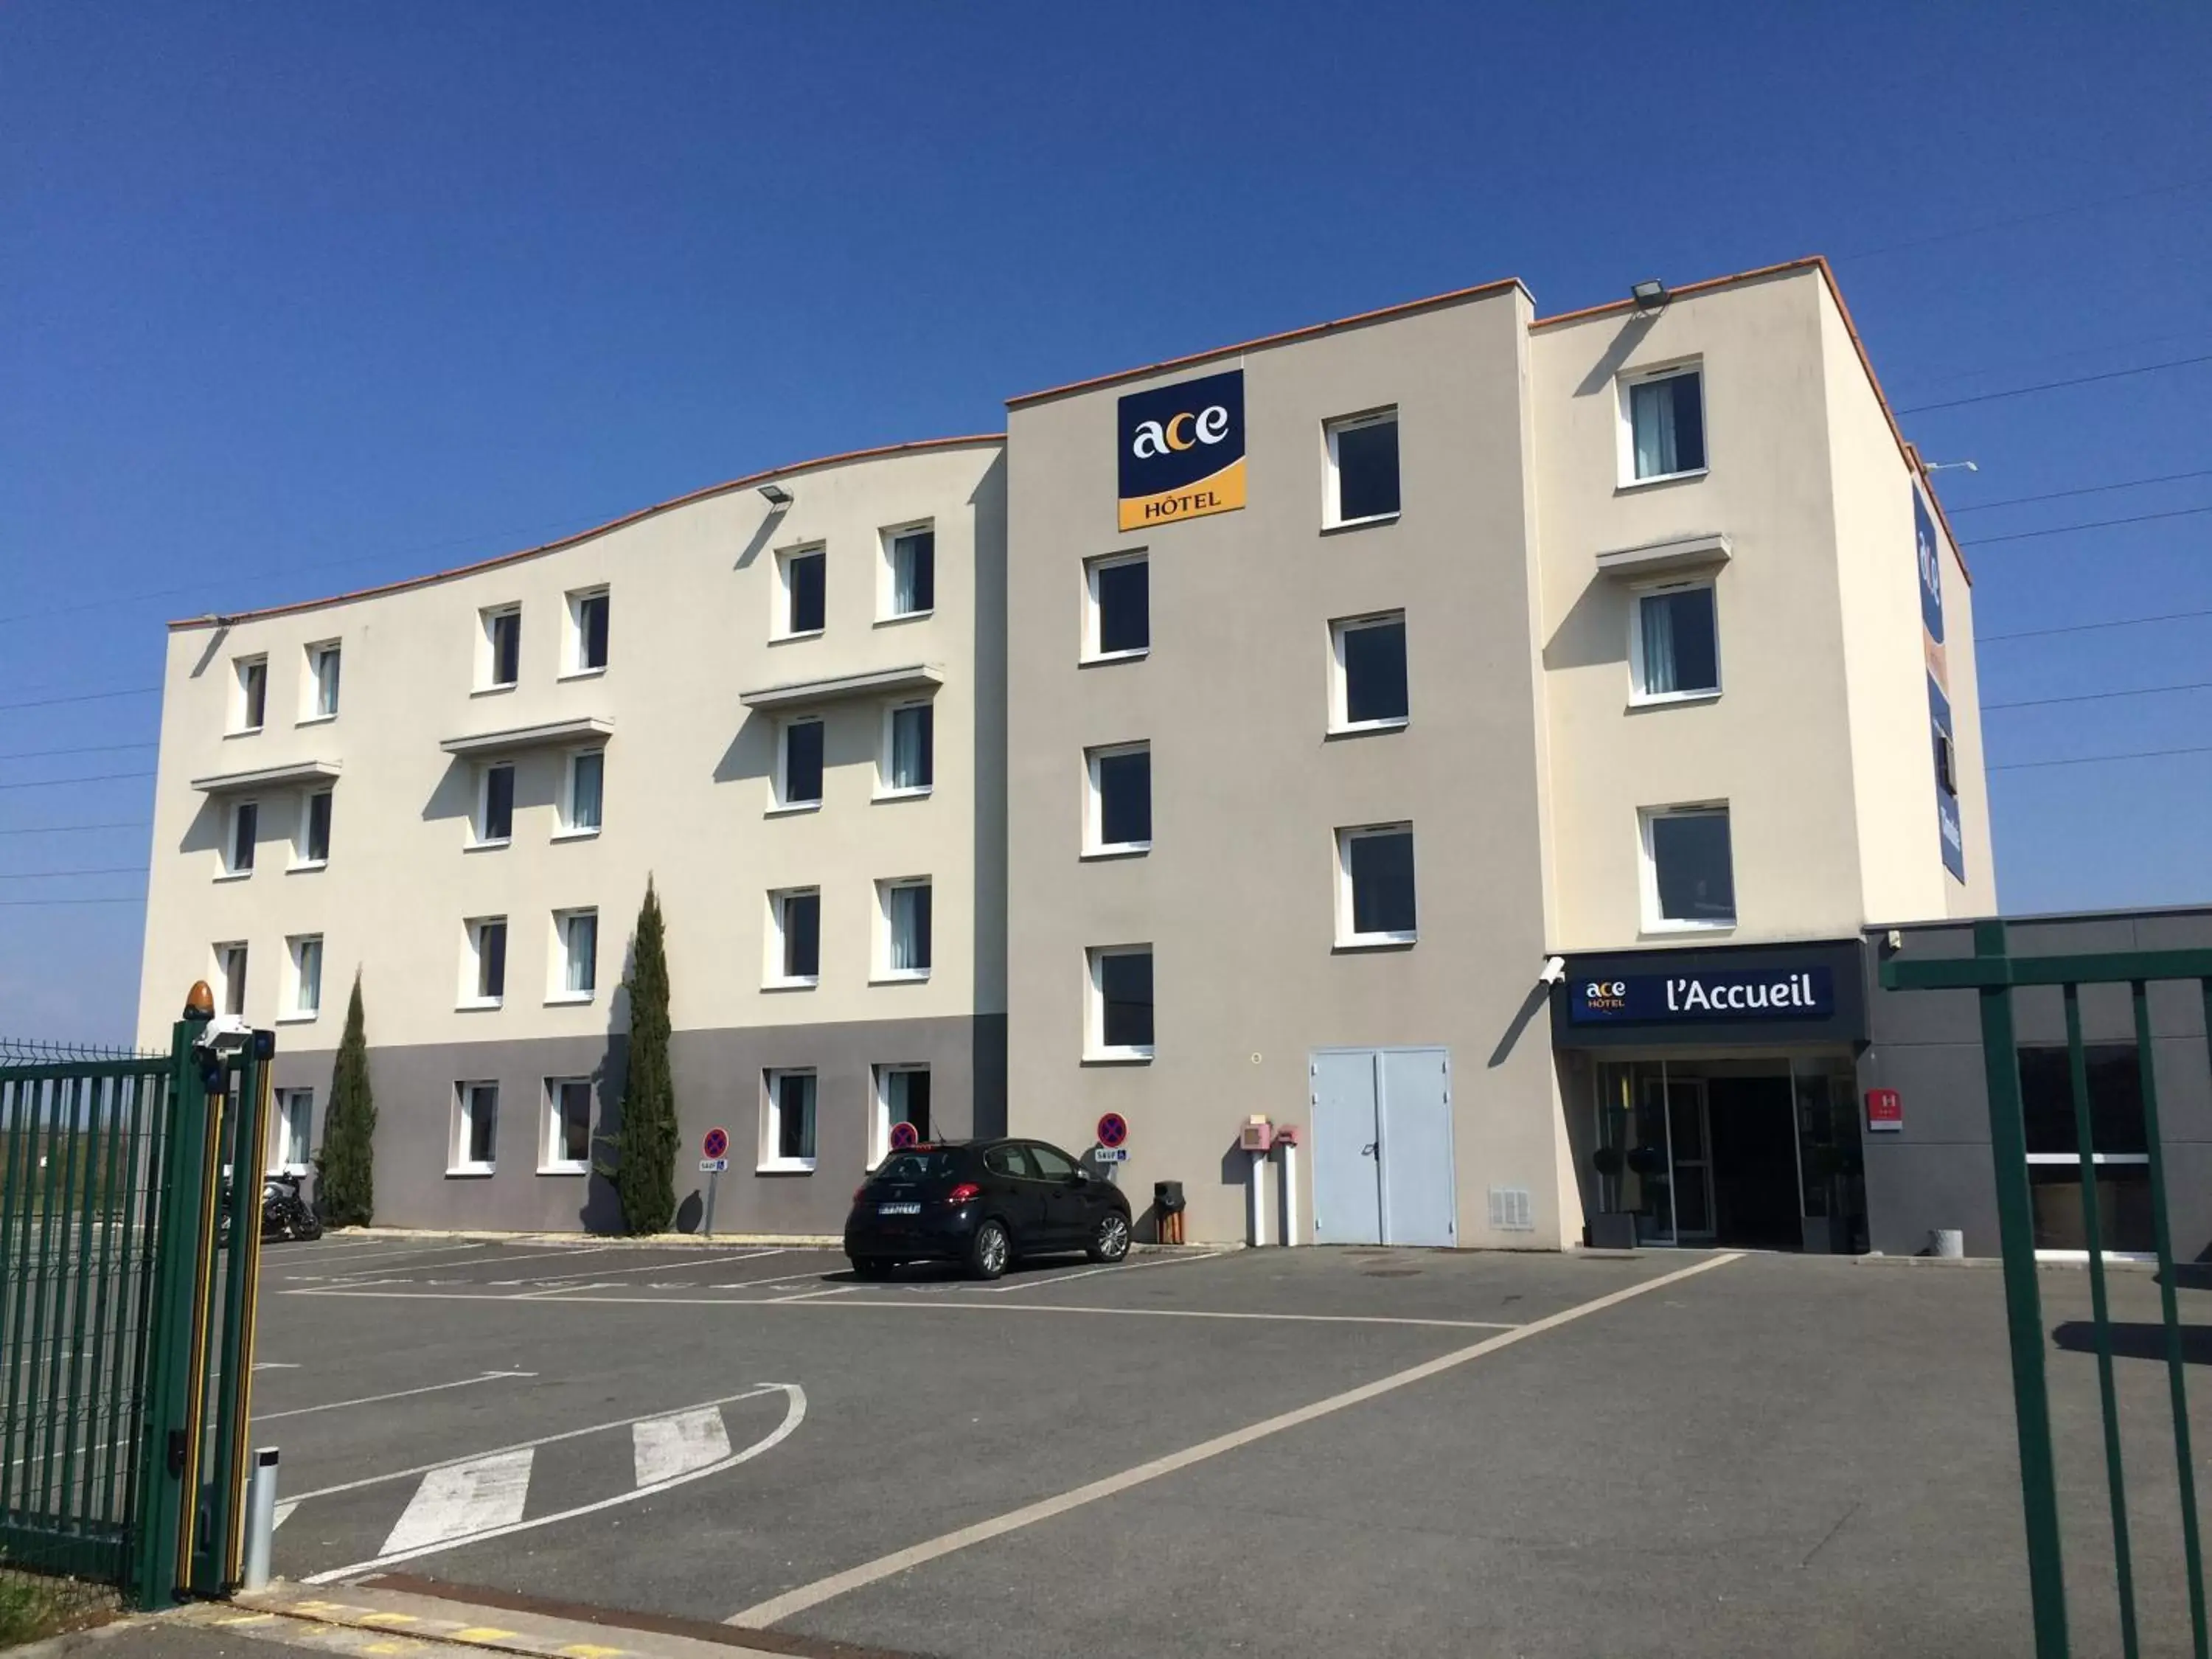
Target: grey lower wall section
(718,1077)
(1927,1045)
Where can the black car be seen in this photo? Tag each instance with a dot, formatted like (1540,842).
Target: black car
(982,1203)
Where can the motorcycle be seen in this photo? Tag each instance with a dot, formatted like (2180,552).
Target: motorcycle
(285,1211)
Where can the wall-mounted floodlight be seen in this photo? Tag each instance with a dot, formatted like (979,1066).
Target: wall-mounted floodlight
(1934,467)
(775,495)
(1651,295)
(1555,969)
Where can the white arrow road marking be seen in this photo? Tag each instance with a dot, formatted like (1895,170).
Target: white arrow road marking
(665,1446)
(456,1504)
(283,1514)
(794,1413)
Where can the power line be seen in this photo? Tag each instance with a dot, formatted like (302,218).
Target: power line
(84,696)
(2053,386)
(57,783)
(79,749)
(2094,523)
(120,898)
(2092,760)
(55,875)
(2025,219)
(2099,696)
(2086,628)
(76,828)
(2086,489)
(2135,344)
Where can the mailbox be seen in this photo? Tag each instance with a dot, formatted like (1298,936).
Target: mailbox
(1259,1135)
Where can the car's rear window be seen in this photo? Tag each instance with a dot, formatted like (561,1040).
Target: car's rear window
(926,1164)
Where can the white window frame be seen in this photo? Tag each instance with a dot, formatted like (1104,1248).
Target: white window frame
(885,789)
(241,700)
(232,869)
(1094,1006)
(1332,494)
(303,835)
(1093,804)
(289,1102)
(779,801)
(771,1118)
(311,712)
(487,650)
(1648,866)
(571,829)
(887,574)
(773,978)
(1624,385)
(1341,723)
(229,995)
(1638,696)
(552,1160)
(884,973)
(480,820)
(472,932)
(1346,940)
(297,1009)
(1092,650)
(572,666)
(465,1106)
(780,628)
(557,991)
(879,1133)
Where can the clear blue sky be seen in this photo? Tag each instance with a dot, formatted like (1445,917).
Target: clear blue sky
(294,298)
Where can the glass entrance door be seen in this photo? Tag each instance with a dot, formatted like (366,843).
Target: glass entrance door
(1689,1136)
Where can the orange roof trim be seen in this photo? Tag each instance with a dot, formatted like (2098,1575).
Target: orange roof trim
(918,446)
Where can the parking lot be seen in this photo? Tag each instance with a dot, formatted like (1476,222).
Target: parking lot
(1284,1452)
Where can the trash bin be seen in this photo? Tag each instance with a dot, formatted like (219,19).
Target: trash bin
(1168,1195)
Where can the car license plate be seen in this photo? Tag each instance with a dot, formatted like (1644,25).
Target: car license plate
(898,1209)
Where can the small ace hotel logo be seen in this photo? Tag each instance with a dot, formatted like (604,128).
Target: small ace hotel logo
(1182,450)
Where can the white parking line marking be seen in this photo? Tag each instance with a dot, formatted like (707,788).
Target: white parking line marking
(410,1252)
(283,1514)
(762,1614)
(456,1503)
(275,1365)
(809,1296)
(378,1399)
(1115,1267)
(664,1447)
(668,1266)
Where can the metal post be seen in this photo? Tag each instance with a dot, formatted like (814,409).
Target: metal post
(260,1520)
(1256,1202)
(1289,1192)
(714,1180)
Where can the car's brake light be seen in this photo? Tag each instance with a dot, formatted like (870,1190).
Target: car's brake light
(966,1191)
(860,1192)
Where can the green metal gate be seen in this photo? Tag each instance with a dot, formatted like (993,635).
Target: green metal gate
(1993,973)
(126,1327)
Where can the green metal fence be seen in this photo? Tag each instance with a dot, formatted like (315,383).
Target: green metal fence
(1994,974)
(125,1327)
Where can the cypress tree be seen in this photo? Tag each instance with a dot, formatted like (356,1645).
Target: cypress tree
(644,1140)
(345,1169)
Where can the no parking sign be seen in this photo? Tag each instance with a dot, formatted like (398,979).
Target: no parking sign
(904,1136)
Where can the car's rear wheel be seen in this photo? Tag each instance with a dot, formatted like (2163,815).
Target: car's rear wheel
(873,1267)
(1109,1239)
(990,1252)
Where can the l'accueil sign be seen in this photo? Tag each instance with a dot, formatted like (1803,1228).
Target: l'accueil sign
(1780,993)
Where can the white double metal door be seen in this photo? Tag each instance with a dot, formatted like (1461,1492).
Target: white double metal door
(1382,1146)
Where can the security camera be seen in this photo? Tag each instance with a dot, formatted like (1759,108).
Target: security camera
(1555,971)
(227,1034)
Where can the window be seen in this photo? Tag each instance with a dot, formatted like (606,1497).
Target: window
(295,1126)
(1946,763)
(1688,875)
(501,661)
(787,1123)
(2119,1151)
(313,850)
(1367,677)
(581,806)
(587,631)
(1118,607)
(496,804)
(910,750)
(568,1149)
(1674,644)
(1375,885)
(1048,1162)
(576,933)
(1012,1160)
(306,954)
(1662,419)
(1118,817)
(802,575)
(1362,469)
(476,1128)
(323,681)
(230,976)
(902,1097)
(251,704)
(483,981)
(799,765)
(912,556)
(906,927)
(795,945)
(238,844)
(1119,1026)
